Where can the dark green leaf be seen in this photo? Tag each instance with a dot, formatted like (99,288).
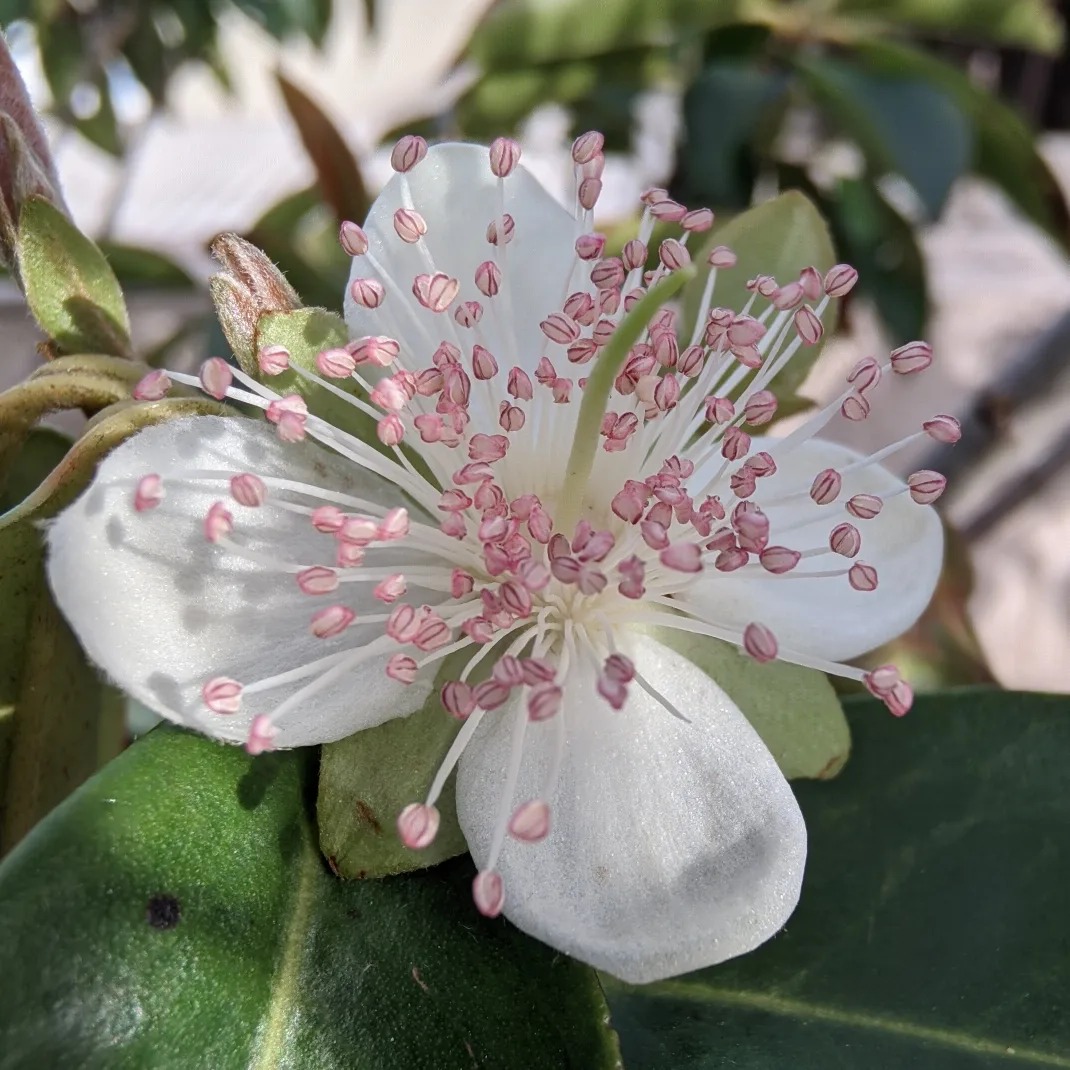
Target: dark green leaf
(1006,151)
(1032,24)
(724,108)
(176,913)
(520,33)
(56,731)
(146,269)
(932,930)
(882,245)
(69,286)
(501,99)
(903,124)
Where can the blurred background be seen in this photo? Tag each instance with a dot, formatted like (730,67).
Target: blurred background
(933,135)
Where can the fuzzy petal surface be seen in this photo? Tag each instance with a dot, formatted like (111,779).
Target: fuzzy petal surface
(161,610)
(672,845)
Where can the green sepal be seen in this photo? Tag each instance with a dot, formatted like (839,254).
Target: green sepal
(69,285)
(795,710)
(365,782)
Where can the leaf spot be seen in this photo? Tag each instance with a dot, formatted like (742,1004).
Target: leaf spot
(163,912)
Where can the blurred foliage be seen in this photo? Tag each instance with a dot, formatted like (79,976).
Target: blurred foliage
(830,96)
(90,52)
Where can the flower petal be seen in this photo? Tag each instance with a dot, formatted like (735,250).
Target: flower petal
(161,610)
(455,192)
(672,845)
(826,617)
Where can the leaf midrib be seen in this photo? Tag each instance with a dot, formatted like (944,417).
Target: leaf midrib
(274,1029)
(801,1009)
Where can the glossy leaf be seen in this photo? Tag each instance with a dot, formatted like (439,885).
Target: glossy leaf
(902,124)
(779,238)
(724,109)
(1006,151)
(69,286)
(794,710)
(932,928)
(175,912)
(1032,24)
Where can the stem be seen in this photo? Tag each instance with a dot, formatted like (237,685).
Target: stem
(599,385)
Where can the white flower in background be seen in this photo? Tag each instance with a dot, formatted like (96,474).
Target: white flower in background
(558,472)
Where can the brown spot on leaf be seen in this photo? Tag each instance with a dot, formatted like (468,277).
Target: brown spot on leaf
(366,814)
(419,980)
(832,767)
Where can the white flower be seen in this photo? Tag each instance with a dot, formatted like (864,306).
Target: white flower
(284,583)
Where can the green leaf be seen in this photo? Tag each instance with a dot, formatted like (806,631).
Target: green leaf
(340,180)
(520,33)
(176,913)
(883,246)
(306,332)
(903,124)
(724,108)
(1006,151)
(779,238)
(367,779)
(794,710)
(71,290)
(57,730)
(932,928)
(1032,24)
(138,268)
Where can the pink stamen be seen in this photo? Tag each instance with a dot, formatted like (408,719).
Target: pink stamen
(418,826)
(504,156)
(261,735)
(911,358)
(840,280)
(391,589)
(248,490)
(216,377)
(218,523)
(862,577)
(864,506)
(845,540)
(148,493)
(331,621)
(759,642)
(368,293)
(530,821)
(222,695)
(435,292)
(944,429)
(488,893)
(317,580)
(352,239)
(826,486)
(152,387)
(335,363)
(408,152)
(402,668)
(926,486)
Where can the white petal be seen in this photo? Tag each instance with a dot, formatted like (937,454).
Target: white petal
(161,610)
(672,846)
(455,192)
(827,618)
